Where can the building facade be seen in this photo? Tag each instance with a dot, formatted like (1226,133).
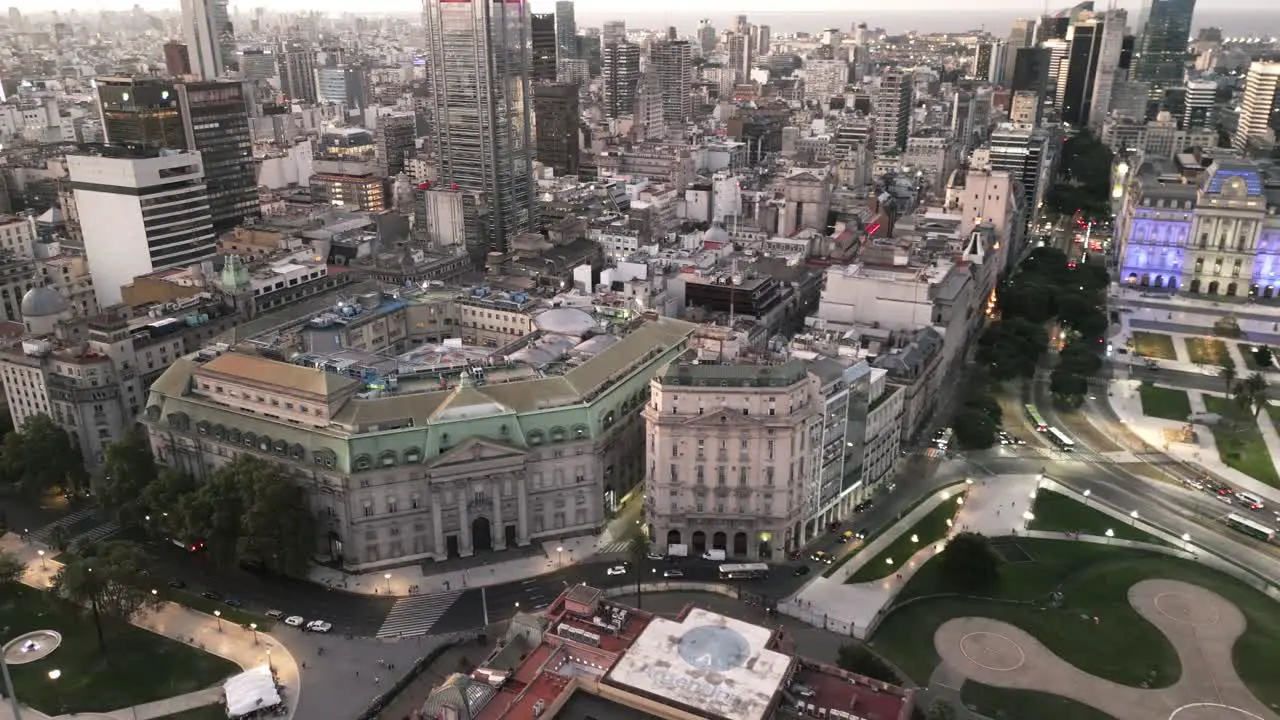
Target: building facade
(620,67)
(566,30)
(892,109)
(556,110)
(1260,111)
(1160,53)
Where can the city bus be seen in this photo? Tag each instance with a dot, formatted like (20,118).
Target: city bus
(1059,438)
(1250,527)
(1037,422)
(743,571)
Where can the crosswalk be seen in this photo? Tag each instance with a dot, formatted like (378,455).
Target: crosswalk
(613,546)
(95,534)
(415,615)
(44,534)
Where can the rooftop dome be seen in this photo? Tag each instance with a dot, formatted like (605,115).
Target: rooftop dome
(716,234)
(43,302)
(565,321)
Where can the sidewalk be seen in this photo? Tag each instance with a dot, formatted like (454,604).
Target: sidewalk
(993,506)
(411,580)
(242,646)
(1192,324)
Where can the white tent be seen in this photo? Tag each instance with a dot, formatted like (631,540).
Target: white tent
(251,690)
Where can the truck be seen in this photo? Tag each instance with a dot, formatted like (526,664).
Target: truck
(678,551)
(714,555)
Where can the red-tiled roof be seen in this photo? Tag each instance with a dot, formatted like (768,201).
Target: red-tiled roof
(862,697)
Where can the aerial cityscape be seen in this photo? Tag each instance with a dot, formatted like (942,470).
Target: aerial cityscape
(503,360)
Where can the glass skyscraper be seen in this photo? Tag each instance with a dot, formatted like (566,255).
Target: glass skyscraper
(1161,51)
(478,59)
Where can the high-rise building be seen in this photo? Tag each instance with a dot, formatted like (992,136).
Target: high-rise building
(1093,54)
(706,36)
(672,62)
(988,62)
(346,84)
(1260,110)
(478,106)
(258,63)
(297,72)
(140,112)
(1058,65)
(209,37)
(1161,53)
(215,122)
(825,79)
(739,57)
(649,122)
(620,65)
(566,30)
(763,39)
(555,107)
(1110,60)
(177,59)
(140,211)
(544,41)
(613,32)
(1021,35)
(1022,151)
(1030,71)
(892,110)
(394,139)
(1200,104)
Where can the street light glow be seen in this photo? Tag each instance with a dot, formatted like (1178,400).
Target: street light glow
(55,674)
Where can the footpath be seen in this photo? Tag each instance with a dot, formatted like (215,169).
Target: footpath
(241,646)
(992,506)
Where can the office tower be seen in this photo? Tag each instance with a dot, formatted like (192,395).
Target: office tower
(204,27)
(344,84)
(141,210)
(706,36)
(892,108)
(1129,99)
(1031,71)
(988,62)
(1199,104)
(1022,152)
(555,106)
(543,34)
(1161,53)
(1024,108)
(763,40)
(825,79)
(1057,50)
(566,30)
(620,65)
(298,72)
(1260,110)
(614,32)
(1021,35)
(1093,54)
(1052,27)
(258,64)
(393,138)
(741,25)
(672,62)
(739,57)
(177,60)
(140,112)
(1109,71)
(479,111)
(650,125)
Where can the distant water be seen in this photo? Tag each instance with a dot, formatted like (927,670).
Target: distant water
(1240,22)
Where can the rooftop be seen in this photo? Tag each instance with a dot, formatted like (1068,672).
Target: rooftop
(779,376)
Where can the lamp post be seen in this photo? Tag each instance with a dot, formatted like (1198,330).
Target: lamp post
(387,577)
(1186,542)
(253,627)
(42,565)
(1087,493)
(560,555)
(269,665)
(57,696)
(218,614)
(1110,534)
(1133,518)
(8,681)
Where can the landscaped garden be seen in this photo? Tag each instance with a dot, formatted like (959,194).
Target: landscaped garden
(137,666)
(1154,345)
(1208,351)
(1239,441)
(928,530)
(1055,512)
(997,702)
(1093,627)
(1163,402)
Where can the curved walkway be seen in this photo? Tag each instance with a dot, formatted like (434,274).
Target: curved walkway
(1201,625)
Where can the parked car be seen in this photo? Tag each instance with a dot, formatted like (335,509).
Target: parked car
(319,626)
(211,595)
(653,555)
(616,570)
(177,584)
(801,571)
(275,614)
(673,573)
(294,621)
(232,602)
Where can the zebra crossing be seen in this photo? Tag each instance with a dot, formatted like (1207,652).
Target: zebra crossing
(44,534)
(95,534)
(613,546)
(416,615)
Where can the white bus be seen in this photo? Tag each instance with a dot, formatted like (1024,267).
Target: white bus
(1059,438)
(743,571)
(1250,527)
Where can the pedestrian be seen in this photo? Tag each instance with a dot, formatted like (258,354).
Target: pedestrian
(357,673)
(377,680)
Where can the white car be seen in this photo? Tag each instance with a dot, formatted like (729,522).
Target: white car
(319,626)
(275,614)
(294,621)
(616,570)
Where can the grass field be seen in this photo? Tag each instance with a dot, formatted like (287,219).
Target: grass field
(213,712)
(1094,580)
(207,606)
(928,530)
(1167,403)
(1055,512)
(995,702)
(1240,443)
(137,667)
(1208,351)
(875,533)
(1154,345)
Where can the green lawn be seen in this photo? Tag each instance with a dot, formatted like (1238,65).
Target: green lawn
(873,534)
(1208,351)
(1055,512)
(995,702)
(207,606)
(1166,403)
(1095,580)
(1240,442)
(928,530)
(138,666)
(208,712)
(1154,345)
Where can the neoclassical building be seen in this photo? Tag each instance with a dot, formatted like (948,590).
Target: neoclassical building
(431,471)
(1215,234)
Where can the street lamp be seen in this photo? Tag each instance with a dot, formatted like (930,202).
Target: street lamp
(560,555)
(41,554)
(968,481)
(8,681)
(1032,495)
(1110,534)
(387,577)
(1186,541)
(254,628)
(53,678)
(269,665)
(915,538)
(959,501)
(218,614)
(155,593)
(1087,493)
(1133,518)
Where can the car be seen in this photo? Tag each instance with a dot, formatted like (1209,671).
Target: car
(822,556)
(275,614)
(1226,499)
(673,573)
(616,570)
(801,571)
(653,556)
(319,626)
(795,554)
(211,595)
(294,621)
(177,584)
(232,602)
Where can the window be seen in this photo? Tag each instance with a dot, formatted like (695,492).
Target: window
(698,477)
(768,476)
(675,474)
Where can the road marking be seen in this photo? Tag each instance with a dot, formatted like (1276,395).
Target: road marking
(416,615)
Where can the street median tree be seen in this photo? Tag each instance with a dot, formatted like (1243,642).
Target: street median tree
(969,564)
(112,584)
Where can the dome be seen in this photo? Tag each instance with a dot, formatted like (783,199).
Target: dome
(716,234)
(565,321)
(43,302)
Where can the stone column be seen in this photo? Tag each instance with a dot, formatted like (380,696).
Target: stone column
(437,526)
(496,528)
(522,511)
(464,525)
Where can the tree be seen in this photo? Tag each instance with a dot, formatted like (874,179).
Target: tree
(1068,386)
(127,471)
(1082,315)
(1079,358)
(940,710)
(1251,394)
(163,499)
(974,429)
(859,659)
(277,533)
(59,537)
(11,568)
(983,402)
(42,457)
(1227,371)
(639,550)
(969,564)
(112,584)
(1263,356)
(214,513)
